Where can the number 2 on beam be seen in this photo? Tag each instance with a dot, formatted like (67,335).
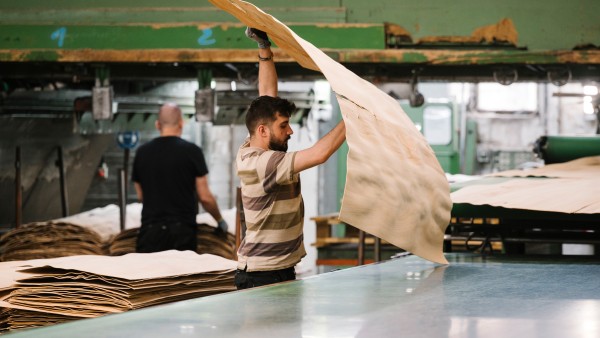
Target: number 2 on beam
(59,35)
(205,39)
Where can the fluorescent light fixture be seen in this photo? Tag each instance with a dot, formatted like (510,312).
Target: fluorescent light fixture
(590,90)
(588,108)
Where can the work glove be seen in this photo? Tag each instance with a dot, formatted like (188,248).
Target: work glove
(221,228)
(258,36)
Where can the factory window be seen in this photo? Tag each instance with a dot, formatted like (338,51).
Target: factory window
(437,125)
(515,98)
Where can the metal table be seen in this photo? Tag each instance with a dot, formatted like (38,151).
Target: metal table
(406,297)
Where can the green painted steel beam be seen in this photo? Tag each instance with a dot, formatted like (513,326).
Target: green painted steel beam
(547,25)
(540,25)
(170,36)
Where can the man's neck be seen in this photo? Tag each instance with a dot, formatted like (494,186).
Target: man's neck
(256,143)
(165,133)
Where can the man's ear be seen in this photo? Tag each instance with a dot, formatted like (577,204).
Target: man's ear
(262,130)
(157,125)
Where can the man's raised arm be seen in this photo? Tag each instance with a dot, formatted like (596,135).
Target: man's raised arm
(267,75)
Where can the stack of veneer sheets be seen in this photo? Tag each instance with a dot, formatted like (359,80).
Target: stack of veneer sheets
(106,221)
(48,291)
(96,232)
(571,187)
(123,243)
(47,240)
(208,242)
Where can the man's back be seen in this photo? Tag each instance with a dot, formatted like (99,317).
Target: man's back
(166,168)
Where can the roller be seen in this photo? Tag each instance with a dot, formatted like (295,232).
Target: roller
(558,149)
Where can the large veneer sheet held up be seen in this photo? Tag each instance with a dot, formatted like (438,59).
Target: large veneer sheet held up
(395,188)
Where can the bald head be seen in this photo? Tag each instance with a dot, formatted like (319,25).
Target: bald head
(169,121)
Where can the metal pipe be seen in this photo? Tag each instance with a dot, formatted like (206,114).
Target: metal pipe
(528,239)
(232,171)
(126,175)
(552,240)
(60,163)
(377,249)
(361,247)
(18,189)
(122,204)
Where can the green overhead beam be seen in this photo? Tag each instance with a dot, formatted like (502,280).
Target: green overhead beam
(170,36)
(540,25)
(347,30)
(214,42)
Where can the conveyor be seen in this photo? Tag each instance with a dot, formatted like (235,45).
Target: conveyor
(405,297)
(515,227)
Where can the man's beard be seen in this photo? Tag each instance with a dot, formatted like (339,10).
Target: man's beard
(278,146)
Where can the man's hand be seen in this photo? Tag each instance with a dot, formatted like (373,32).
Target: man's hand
(258,36)
(222,228)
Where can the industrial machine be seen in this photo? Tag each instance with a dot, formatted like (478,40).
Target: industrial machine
(536,231)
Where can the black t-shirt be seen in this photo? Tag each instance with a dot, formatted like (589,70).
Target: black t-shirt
(166,168)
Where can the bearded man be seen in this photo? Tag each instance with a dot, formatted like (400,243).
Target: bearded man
(270,181)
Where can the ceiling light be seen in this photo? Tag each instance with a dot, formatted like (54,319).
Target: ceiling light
(590,90)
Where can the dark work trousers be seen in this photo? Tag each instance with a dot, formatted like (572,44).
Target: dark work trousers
(246,280)
(167,235)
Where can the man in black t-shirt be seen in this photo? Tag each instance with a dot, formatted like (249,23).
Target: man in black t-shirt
(170,177)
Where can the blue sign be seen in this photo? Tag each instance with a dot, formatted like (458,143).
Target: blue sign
(128,139)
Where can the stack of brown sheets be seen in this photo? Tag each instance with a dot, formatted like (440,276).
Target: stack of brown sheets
(62,289)
(13,318)
(123,243)
(208,242)
(211,243)
(572,187)
(48,240)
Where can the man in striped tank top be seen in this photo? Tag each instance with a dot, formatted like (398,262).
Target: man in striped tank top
(270,181)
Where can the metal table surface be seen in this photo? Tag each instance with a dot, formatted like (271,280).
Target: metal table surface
(406,297)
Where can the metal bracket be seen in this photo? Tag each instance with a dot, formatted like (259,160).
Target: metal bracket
(205,99)
(416,99)
(505,75)
(102,96)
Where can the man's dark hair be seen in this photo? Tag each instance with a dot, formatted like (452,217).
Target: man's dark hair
(264,109)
